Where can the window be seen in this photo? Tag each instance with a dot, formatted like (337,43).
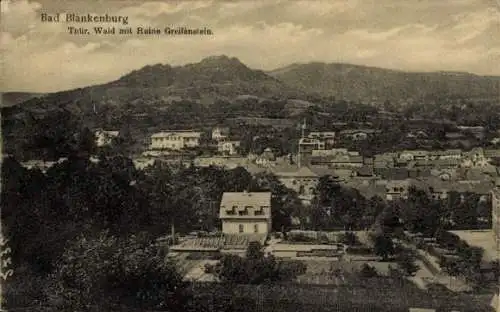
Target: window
(240,228)
(260,211)
(256,228)
(301,190)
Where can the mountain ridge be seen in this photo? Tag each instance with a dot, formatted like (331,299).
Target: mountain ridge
(221,76)
(367,83)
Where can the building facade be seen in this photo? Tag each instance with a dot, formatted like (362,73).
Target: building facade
(220,133)
(326,136)
(104,137)
(228,147)
(302,180)
(175,140)
(246,212)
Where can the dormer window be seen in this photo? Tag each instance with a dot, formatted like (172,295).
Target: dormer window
(260,211)
(230,211)
(244,211)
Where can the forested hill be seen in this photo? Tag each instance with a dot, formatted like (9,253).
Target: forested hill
(362,83)
(13,98)
(216,77)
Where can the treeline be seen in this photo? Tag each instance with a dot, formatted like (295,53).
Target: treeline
(45,214)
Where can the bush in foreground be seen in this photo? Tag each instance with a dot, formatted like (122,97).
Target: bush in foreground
(106,271)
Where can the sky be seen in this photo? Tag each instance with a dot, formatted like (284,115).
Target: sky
(409,35)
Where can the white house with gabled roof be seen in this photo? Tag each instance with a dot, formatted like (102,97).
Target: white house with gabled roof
(245,212)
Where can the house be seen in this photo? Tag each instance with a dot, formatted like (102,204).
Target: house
(445,163)
(438,189)
(420,134)
(175,140)
(331,152)
(454,135)
(221,161)
(104,137)
(307,145)
(383,161)
(266,158)
(220,133)
(302,180)
(365,171)
(476,131)
(367,187)
(228,147)
(142,163)
(413,155)
(326,136)
(392,173)
(357,134)
(492,153)
(245,212)
(395,189)
(447,154)
(276,123)
(339,161)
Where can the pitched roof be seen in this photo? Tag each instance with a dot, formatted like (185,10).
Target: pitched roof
(254,169)
(183,133)
(107,132)
(482,188)
(475,174)
(256,199)
(293,171)
(365,170)
(416,152)
(491,153)
(323,170)
(394,173)
(352,131)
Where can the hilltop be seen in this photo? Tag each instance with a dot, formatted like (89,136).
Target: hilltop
(372,84)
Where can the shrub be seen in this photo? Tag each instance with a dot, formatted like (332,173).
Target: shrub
(300,238)
(257,268)
(447,239)
(104,271)
(368,271)
(277,235)
(291,268)
(359,250)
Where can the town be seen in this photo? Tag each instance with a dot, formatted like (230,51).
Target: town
(250,156)
(428,218)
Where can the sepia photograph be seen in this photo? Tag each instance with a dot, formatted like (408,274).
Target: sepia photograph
(241,156)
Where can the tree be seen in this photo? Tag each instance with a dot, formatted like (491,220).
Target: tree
(407,263)
(415,210)
(349,238)
(285,202)
(254,251)
(106,271)
(384,247)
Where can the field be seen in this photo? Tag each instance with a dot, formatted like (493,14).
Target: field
(375,294)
